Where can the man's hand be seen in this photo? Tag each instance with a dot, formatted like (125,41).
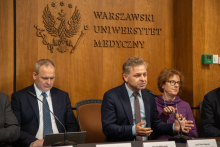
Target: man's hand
(142,131)
(39,142)
(185,124)
(166,111)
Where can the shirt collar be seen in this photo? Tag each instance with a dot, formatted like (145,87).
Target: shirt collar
(130,92)
(39,92)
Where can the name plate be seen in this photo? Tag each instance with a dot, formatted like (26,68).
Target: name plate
(160,144)
(201,143)
(115,145)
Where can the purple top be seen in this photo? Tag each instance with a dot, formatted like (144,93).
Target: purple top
(182,108)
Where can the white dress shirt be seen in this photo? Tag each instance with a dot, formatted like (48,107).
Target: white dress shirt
(39,134)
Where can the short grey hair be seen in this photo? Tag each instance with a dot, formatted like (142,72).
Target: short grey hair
(131,62)
(42,62)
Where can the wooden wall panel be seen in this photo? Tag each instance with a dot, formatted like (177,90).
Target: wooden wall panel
(196,31)
(90,71)
(6,47)
(183,47)
(26,43)
(206,18)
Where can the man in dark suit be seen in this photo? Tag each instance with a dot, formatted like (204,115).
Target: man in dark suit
(35,120)
(210,114)
(9,128)
(129,111)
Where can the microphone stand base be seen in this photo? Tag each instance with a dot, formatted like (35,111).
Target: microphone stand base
(180,139)
(65,143)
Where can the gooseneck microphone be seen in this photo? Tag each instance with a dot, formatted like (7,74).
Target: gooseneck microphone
(181,138)
(62,143)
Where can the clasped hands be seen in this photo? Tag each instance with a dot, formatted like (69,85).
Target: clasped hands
(185,124)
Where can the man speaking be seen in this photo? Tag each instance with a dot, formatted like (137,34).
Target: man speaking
(129,111)
(33,117)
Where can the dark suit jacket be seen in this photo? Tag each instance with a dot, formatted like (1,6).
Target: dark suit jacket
(9,128)
(26,110)
(117,120)
(210,117)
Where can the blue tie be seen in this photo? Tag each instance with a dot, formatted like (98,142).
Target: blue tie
(46,117)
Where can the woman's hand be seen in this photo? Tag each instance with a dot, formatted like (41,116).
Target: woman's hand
(167,111)
(186,125)
(186,129)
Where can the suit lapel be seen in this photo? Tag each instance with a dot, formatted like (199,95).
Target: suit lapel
(126,102)
(145,98)
(33,101)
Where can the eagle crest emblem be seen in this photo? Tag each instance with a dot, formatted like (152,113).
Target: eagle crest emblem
(63,33)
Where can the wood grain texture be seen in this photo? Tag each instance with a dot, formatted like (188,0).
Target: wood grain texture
(183,47)
(6,47)
(90,71)
(206,18)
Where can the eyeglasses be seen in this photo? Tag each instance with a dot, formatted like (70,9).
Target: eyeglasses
(172,83)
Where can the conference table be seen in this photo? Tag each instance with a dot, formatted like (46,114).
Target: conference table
(140,143)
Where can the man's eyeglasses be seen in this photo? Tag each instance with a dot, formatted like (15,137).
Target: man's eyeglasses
(172,83)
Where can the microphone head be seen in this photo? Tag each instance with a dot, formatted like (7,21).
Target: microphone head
(31,94)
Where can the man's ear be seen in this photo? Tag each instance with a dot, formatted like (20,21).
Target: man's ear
(34,75)
(125,77)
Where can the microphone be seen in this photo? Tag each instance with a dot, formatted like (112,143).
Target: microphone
(181,138)
(62,143)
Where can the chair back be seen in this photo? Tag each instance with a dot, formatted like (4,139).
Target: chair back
(89,118)
(200,106)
